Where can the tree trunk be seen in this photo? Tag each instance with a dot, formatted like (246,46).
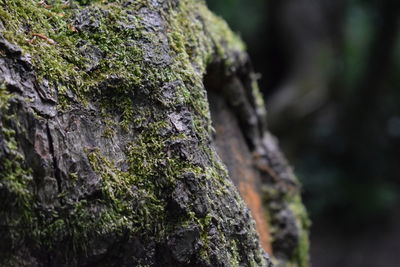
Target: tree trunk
(107,149)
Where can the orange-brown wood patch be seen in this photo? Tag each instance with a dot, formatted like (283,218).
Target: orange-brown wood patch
(234,152)
(253,201)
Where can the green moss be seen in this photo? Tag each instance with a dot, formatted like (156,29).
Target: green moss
(4,96)
(290,196)
(235,255)
(301,253)
(65,66)
(150,174)
(62,63)
(128,203)
(16,198)
(123,84)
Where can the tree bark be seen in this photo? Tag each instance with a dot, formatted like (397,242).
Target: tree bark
(107,150)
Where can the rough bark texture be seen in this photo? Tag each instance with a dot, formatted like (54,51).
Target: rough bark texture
(107,155)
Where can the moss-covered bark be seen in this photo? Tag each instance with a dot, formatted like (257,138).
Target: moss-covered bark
(106,154)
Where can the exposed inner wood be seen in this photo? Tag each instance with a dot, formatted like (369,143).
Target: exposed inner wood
(234,152)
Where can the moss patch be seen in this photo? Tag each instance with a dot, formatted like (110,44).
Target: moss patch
(16,196)
(301,253)
(141,68)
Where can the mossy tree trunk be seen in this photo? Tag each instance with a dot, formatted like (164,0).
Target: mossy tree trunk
(107,149)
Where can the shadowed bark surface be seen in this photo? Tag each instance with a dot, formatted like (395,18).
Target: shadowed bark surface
(106,149)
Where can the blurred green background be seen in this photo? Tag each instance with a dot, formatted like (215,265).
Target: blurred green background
(331,80)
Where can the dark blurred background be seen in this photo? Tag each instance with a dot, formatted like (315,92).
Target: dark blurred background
(330,74)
